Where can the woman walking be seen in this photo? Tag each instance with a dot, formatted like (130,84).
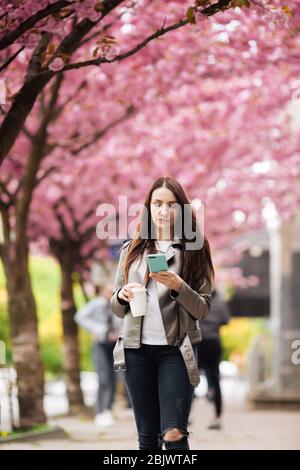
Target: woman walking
(158,352)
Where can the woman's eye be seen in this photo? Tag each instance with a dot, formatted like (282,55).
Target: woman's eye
(158,204)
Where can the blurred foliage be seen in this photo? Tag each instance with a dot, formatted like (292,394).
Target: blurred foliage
(237,338)
(45,276)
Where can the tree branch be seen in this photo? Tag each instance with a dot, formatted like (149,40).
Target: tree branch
(100,133)
(28,181)
(65,202)
(141,45)
(63,228)
(73,40)
(4,208)
(88,232)
(46,173)
(30,22)
(94,35)
(3,188)
(27,133)
(35,63)
(209,11)
(90,253)
(11,59)
(26,97)
(3,16)
(106,27)
(19,110)
(60,108)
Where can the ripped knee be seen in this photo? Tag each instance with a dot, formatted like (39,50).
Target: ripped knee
(175,438)
(173,435)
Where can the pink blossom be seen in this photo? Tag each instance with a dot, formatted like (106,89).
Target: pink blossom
(57,64)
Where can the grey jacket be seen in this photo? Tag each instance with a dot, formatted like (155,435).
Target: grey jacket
(188,306)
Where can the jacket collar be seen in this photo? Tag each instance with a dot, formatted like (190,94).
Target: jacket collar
(177,243)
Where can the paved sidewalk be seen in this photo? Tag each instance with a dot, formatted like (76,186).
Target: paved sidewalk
(244,428)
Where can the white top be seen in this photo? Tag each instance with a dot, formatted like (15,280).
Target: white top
(153,328)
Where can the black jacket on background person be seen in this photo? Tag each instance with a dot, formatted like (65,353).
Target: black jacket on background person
(219,315)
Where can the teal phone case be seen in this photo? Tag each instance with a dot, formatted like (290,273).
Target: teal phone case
(157,262)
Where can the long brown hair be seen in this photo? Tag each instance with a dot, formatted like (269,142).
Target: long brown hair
(197,264)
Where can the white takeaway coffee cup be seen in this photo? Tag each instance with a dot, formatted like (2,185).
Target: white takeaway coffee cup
(138,305)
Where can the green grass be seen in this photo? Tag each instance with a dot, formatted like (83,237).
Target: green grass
(45,276)
(34,429)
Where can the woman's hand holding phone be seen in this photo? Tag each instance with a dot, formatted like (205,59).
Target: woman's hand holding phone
(168,278)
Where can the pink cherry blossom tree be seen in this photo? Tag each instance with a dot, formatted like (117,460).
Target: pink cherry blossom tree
(53,36)
(204,133)
(19,181)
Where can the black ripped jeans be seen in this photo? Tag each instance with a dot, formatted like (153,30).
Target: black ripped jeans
(161,394)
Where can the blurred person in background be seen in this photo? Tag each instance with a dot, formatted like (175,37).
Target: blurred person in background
(210,352)
(97,318)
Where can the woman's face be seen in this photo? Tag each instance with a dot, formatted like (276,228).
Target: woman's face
(163,206)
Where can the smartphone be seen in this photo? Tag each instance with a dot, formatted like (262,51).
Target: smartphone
(157,262)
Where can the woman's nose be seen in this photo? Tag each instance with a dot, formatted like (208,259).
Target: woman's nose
(164,210)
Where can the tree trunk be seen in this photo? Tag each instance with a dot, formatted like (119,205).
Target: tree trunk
(70,335)
(24,335)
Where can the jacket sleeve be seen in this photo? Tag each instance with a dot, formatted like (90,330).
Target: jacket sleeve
(196,303)
(118,306)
